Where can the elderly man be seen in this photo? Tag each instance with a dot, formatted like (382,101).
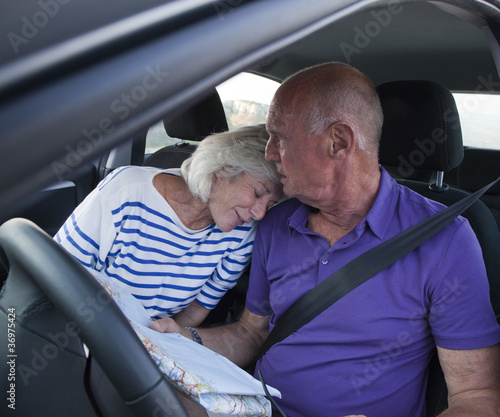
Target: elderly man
(367,353)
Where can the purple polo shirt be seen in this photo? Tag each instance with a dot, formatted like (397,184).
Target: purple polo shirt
(368,353)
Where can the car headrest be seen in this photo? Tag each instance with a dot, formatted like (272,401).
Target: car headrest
(199,121)
(421,128)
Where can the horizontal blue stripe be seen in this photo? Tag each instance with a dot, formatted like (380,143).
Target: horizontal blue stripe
(162,252)
(199,241)
(228,271)
(112,176)
(231,281)
(143,207)
(140,297)
(88,265)
(137,260)
(211,286)
(138,232)
(225,239)
(130,283)
(81,250)
(243,228)
(152,249)
(234,261)
(169,311)
(158,227)
(213,297)
(83,235)
(157,274)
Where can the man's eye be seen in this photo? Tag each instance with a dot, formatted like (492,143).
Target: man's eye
(257,195)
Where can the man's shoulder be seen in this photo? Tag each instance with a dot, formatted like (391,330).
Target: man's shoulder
(414,208)
(283,210)
(417,203)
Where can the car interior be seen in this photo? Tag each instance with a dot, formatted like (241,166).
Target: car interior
(418,54)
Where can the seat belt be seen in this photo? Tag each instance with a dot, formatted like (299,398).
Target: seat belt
(362,268)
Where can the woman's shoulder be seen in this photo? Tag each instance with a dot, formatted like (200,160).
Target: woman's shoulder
(129,175)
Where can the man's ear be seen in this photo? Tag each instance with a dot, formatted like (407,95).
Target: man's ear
(341,139)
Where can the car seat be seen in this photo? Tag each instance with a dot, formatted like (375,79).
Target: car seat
(422,133)
(196,123)
(421,141)
(475,160)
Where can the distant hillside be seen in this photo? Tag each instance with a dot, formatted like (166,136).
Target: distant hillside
(243,112)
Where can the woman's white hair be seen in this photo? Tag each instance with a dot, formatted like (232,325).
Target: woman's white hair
(230,154)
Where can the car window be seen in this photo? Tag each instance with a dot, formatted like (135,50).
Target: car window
(479,119)
(245,97)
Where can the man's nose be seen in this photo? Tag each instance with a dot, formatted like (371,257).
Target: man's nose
(272,153)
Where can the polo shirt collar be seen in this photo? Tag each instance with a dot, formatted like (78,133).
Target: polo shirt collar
(382,211)
(378,218)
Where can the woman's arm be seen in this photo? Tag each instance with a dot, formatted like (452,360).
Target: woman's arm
(239,341)
(193,315)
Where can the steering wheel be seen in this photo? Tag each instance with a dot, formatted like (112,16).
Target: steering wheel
(39,267)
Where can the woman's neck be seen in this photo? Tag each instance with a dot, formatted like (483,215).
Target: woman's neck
(192,212)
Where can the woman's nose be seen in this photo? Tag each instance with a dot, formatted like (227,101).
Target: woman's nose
(258,210)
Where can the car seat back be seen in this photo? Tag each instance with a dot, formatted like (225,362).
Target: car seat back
(421,133)
(421,141)
(196,123)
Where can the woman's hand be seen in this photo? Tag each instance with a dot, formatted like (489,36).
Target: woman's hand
(169,325)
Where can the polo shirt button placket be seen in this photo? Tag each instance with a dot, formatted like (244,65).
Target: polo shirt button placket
(324,261)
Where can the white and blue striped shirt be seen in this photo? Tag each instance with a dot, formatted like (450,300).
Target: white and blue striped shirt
(127,230)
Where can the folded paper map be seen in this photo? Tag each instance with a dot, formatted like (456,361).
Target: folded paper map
(207,377)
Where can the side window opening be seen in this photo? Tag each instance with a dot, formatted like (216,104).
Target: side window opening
(479,119)
(246,99)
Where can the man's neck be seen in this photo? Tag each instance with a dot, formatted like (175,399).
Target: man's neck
(351,203)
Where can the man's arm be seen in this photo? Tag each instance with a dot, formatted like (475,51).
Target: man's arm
(239,341)
(473,381)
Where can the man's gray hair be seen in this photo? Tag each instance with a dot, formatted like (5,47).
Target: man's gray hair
(230,154)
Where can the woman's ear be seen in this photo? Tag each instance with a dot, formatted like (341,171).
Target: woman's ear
(217,175)
(341,139)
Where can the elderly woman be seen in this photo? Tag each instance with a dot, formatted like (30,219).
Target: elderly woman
(178,239)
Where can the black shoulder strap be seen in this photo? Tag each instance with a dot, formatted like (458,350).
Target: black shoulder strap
(362,268)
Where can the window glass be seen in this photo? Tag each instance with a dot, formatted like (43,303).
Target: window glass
(157,138)
(245,97)
(479,119)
